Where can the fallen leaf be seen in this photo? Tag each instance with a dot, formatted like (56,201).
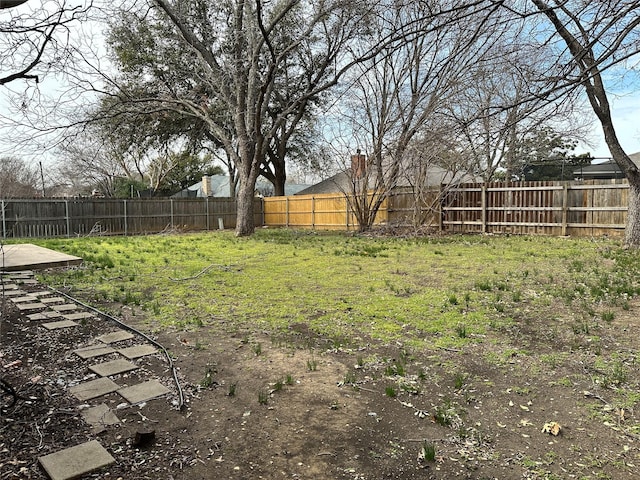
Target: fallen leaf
(552,428)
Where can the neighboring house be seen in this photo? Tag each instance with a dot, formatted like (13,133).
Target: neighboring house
(608,170)
(343,181)
(218,186)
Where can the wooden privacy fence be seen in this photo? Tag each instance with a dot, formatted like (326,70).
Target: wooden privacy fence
(547,208)
(78,217)
(329,211)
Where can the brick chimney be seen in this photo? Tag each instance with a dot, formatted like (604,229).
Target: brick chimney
(358,164)
(206,185)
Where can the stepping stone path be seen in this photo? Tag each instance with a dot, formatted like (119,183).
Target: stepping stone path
(45,306)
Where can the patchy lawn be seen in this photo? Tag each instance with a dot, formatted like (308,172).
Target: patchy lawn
(312,356)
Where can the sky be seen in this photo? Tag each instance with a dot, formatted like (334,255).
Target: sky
(625,110)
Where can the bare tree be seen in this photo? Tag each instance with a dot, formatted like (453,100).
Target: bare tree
(93,159)
(588,39)
(34,41)
(397,96)
(17,178)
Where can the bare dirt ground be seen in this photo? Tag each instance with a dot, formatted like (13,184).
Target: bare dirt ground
(298,406)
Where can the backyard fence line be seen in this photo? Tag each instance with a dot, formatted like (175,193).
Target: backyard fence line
(49,217)
(541,208)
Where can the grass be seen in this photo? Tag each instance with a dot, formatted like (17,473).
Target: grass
(428,452)
(312,365)
(349,289)
(208,380)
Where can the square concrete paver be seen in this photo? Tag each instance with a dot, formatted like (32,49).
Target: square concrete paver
(93,388)
(43,315)
(13,293)
(114,367)
(25,299)
(114,337)
(78,316)
(76,461)
(67,307)
(60,324)
(30,306)
(100,416)
(52,300)
(94,351)
(143,391)
(137,351)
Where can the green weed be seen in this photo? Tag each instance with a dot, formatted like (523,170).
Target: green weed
(607,316)
(233,387)
(427,452)
(312,365)
(208,380)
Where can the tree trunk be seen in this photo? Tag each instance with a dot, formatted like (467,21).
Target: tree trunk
(245,198)
(246,195)
(632,230)
(279,183)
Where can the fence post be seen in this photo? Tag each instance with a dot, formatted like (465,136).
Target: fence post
(68,220)
(484,207)
(346,210)
(207,211)
(441,208)
(313,212)
(286,210)
(126,224)
(565,206)
(4,221)
(171,203)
